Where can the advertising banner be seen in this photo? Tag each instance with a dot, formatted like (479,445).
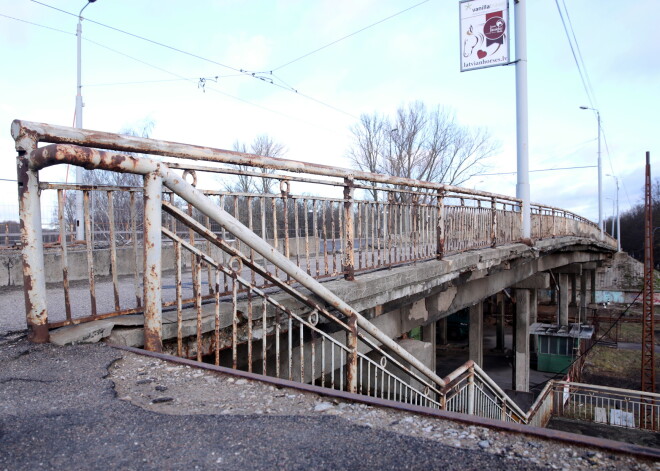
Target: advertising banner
(484,33)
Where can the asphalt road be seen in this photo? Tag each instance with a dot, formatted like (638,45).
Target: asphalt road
(58,411)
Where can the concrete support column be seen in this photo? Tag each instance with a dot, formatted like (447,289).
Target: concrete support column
(477,333)
(553,295)
(428,335)
(499,332)
(521,358)
(573,289)
(533,316)
(563,299)
(442,331)
(583,296)
(592,276)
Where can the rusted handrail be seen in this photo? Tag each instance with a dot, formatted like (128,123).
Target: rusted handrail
(471,368)
(118,142)
(91,158)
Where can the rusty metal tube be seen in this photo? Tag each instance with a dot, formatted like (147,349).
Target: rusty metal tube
(152,261)
(117,142)
(34,280)
(349,230)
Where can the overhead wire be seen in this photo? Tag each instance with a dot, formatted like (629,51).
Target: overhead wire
(179,77)
(137,36)
(579,53)
(211,88)
(577,62)
(247,73)
(538,170)
(349,35)
(37,24)
(584,76)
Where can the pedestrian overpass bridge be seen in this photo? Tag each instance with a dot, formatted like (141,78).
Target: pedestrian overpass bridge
(316,281)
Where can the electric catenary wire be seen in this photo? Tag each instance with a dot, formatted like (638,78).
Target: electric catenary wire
(201,82)
(349,35)
(584,76)
(538,170)
(247,73)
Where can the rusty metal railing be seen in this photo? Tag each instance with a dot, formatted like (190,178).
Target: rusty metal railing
(155,176)
(304,342)
(357,221)
(469,390)
(607,405)
(244,245)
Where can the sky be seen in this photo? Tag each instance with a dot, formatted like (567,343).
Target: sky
(414,55)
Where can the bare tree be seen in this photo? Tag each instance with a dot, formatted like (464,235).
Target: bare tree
(420,144)
(242,183)
(99,204)
(261,145)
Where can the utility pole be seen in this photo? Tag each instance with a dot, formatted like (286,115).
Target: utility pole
(648,321)
(522,186)
(618,220)
(600,173)
(600,181)
(80,226)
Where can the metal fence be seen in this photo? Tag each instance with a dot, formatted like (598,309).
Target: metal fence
(607,405)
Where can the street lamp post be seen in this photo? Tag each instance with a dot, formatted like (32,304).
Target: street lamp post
(600,174)
(618,220)
(80,227)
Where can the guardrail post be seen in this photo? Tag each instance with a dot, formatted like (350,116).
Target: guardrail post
(349,230)
(352,356)
(153,321)
(284,190)
(440,228)
(493,226)
(470,401)
(32,249)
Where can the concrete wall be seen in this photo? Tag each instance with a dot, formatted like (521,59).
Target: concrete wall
(625,273)
(11,266)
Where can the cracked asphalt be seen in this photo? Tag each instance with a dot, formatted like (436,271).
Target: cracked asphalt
(59,410)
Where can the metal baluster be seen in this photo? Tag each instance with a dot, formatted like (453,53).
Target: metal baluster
(197,281)
(216,299)
(177,281)
(90,253)
(63,249)
(136,263)
(113,249)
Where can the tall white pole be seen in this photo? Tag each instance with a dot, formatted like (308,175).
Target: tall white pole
(618,220)
(522,186)
(80,226)
(600,182)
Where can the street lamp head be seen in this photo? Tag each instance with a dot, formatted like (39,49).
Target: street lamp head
(86,5)
(584,107)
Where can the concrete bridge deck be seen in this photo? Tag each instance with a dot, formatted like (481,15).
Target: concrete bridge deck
(389,297)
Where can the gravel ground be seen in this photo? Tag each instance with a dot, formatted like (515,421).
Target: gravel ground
(174,389)
(95,407)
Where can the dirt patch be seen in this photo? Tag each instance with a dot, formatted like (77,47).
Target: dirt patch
(615,367)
